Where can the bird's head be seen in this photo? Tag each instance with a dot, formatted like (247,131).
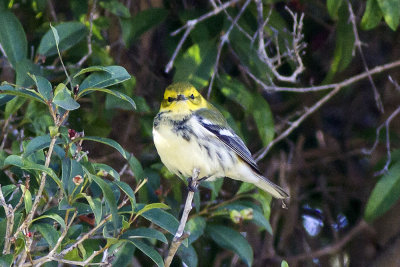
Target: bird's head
(183,98)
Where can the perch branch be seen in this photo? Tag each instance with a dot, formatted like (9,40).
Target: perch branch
(180,236)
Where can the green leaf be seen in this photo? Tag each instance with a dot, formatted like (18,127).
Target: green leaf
(384,195)
(7,189)
(252,103)
(68,35)
(12,37)
(55,217)
(372,15)
(48,232)
(188,255)
(196,64)
(63,99)
(148,250)
(100,79)
(136,167)
(27,93)
(108,142)
(25,66)
(128,191)
(391,12)
(43,86)
(13,105)
(163,219)
(150,207)
(108,195)
(144,233)
(245,187)
(333,7)
(111,92)
(195,227)
(284,264)
(27,199)
(143,21)
(38,143)
(104,170)
(116,8)
(28,165)
(344,44)
(95,205)
(230,239)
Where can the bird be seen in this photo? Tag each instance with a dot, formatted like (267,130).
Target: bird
(190,133)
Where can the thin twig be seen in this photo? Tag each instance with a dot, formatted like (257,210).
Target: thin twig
(179,236)
(323,100)
(358,44)
(89,37)
(331,249)
(224,39)
(189,26)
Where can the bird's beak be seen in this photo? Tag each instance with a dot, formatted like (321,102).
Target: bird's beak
(181,97)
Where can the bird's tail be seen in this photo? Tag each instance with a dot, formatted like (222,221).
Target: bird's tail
(268,186)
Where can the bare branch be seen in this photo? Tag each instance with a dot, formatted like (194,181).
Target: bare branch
(189,26)
(89,37)
(180,236)
(358,44)
(224,39)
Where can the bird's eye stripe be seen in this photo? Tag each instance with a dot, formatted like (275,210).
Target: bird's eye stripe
(192,96)
(170,99)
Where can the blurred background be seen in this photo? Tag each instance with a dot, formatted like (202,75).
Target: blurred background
(292,79)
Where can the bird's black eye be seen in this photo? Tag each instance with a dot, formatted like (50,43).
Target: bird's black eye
(191,96)
(170,99)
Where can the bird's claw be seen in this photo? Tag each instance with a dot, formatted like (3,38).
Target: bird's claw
(192,186)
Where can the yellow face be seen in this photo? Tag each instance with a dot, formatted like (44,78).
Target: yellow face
(183,98)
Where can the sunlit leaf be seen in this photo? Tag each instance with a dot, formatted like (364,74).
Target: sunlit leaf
(391,12)
(372,15)
(384,195)
(27,93)
(144,233)
(64,99)
(195,227)
(99,79)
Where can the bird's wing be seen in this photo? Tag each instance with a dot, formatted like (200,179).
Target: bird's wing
(214,121)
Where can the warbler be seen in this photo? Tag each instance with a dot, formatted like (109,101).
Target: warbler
(190,133)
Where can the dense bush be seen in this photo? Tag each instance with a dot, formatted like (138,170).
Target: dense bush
(81,182)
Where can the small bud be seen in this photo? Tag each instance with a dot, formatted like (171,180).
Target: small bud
(29,234)
(77,179)
(235,215)
(247,214)
(72,134)
(158,192)
(75,90)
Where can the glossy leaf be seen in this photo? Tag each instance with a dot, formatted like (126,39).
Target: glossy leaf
(38,143)
(96,206)
(230,239)
(384,195)
(48,232)
(148,251)
(69,34)
(43,86)
(111,92)
(163,219)
(110,76)
(391,12)
(64,99)
(144,233)
(27,199)
(27,93)
(372,15)
(150,207)
(28,165)
(12,37)
(55,217)
(195,227)
(188,256)
(108,142)
(128,191)
(109,196)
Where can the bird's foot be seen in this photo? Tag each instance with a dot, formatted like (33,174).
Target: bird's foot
(192,185)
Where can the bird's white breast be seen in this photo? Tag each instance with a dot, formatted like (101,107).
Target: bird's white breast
(181,155)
